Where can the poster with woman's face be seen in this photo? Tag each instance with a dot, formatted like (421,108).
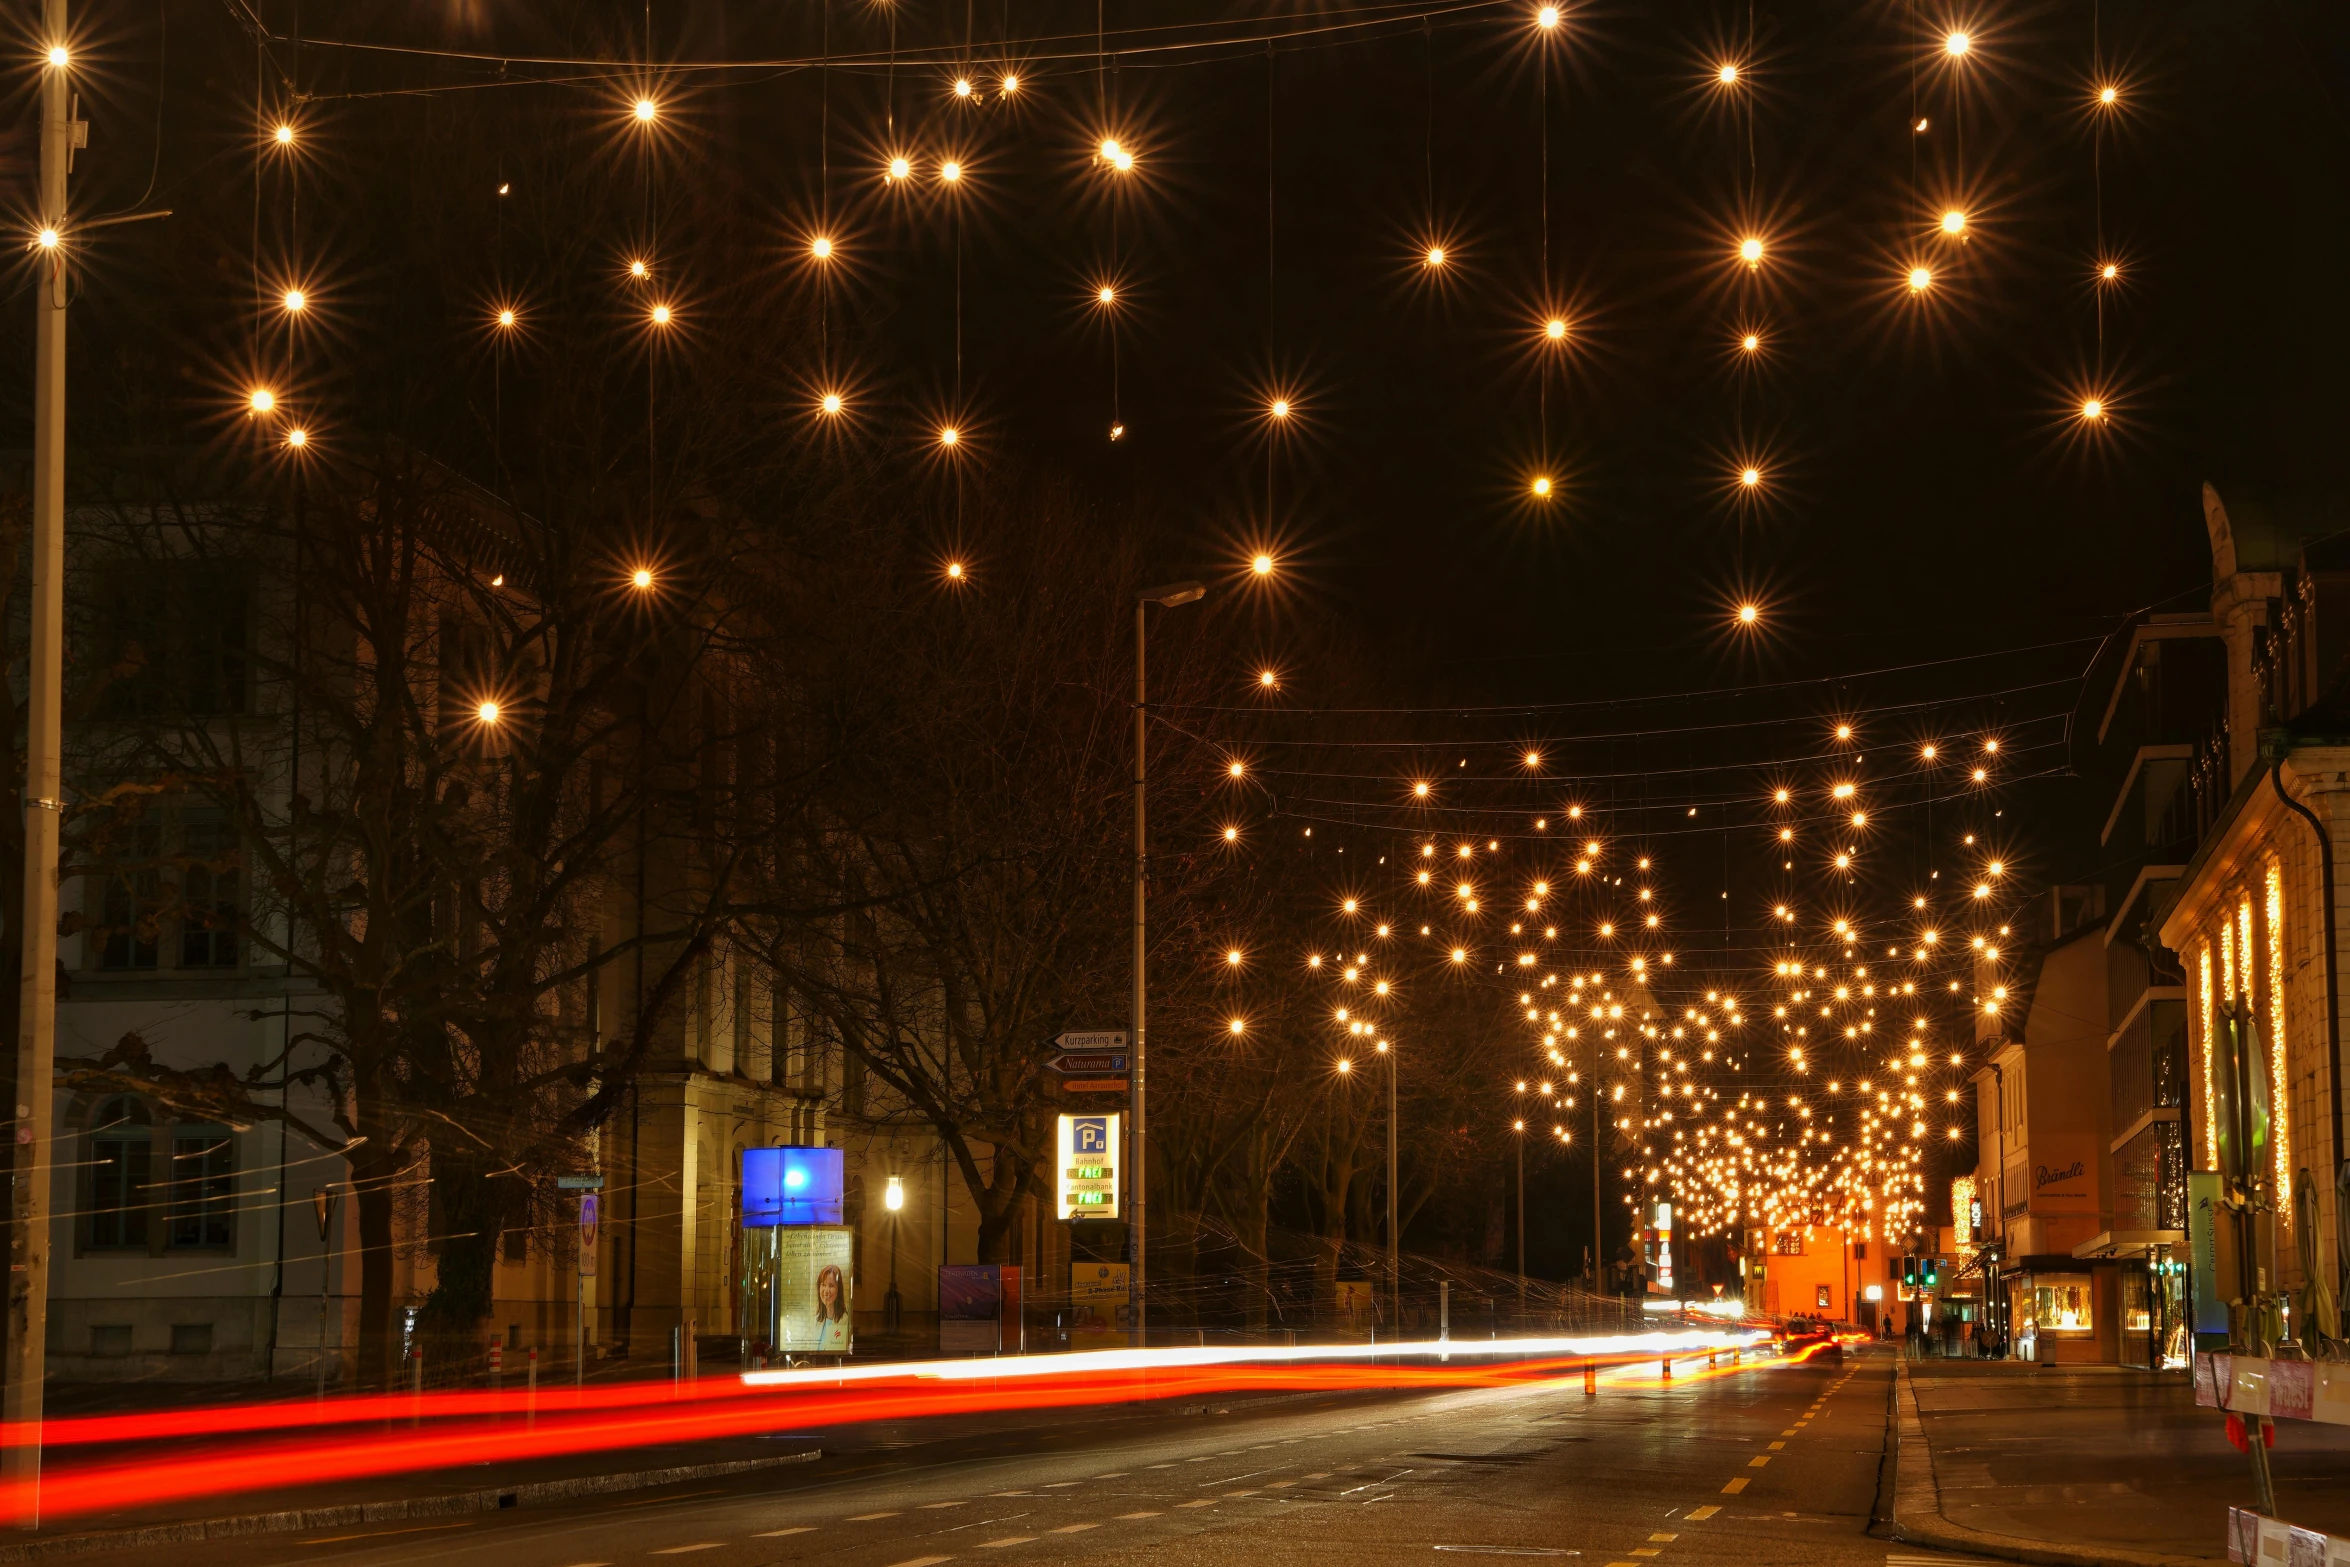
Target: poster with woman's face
(813,1286)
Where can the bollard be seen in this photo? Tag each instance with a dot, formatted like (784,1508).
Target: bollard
(1668,1363)
(1710,1361)
(1590,1380)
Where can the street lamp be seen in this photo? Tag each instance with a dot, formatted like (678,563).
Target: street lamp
(1166,596)
(893,1198)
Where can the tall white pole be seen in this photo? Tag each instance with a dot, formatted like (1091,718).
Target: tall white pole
(1140,1148)
(1394,1253)
(36,1034)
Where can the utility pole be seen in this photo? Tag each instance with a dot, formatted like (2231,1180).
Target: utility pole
(1394,1255)
(36,1031)
(1172,594)
(1521,1130)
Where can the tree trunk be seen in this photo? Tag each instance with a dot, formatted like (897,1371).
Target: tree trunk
(373,1182)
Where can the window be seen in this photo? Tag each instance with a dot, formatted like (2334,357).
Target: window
(203,1188)
(170,895)
(120,1143)
(176,634)
(129,904)
(209,880)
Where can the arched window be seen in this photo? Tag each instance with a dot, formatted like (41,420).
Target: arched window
(122,1141)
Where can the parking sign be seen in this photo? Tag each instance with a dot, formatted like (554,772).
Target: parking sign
(1085,1175)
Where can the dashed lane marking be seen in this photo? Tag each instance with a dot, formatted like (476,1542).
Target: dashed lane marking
(1701,1514)
(1205,1501)
(1758,1460)
(1735,1486)
(1778,1447)
(1130,1517)
(698,1545)
(1009,1539)
(1073,1528)
(1115,1474)
(1662,1539)
(959,1502)
(1062,1484)
(922,1561)
(860,1518)
(809,1528)
(375,1534)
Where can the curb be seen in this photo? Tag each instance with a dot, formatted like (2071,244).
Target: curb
(491,1500)
(1917,1507)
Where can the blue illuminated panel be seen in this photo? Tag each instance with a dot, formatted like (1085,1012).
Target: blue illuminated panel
(791,1186)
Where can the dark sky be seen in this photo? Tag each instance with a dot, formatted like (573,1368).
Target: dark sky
(1927,492)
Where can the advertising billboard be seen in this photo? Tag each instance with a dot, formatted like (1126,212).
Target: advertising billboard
(799,1288)
(1098,1302)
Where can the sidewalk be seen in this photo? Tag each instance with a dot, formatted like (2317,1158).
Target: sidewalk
(2089,1465)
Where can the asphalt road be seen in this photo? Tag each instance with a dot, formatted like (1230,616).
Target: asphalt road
(1770,1463)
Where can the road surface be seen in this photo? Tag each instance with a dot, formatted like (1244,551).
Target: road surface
(1768,1464)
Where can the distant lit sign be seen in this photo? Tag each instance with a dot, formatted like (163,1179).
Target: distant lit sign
(791,1186)
(1086,1166)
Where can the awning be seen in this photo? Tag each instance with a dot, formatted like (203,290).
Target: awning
(2130,1243)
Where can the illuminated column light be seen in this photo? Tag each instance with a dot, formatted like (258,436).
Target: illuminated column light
(1955,44)
(1750,251)
(830,402)
(1920,279)
(1262,565)
(821,248)
(1953,221)
(647,111)
(1542,489)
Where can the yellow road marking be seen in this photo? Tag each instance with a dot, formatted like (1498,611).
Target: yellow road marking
(860,1518)
(1778,1447)
(1758,1460)
(997,1545)
(1073,1528)
(809,1528)
(1735,1486)
(1701,1514)
(1663,1539)
(1205,1501)
(1125,1517)
(682,1550)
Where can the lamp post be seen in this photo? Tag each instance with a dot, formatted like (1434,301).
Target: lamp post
(1394,1257)
(1519,1127)
(893,1309)
(36,1032)
(1167,597)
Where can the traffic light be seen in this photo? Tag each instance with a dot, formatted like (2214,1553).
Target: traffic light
(1909,1273)
(1933,1273)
